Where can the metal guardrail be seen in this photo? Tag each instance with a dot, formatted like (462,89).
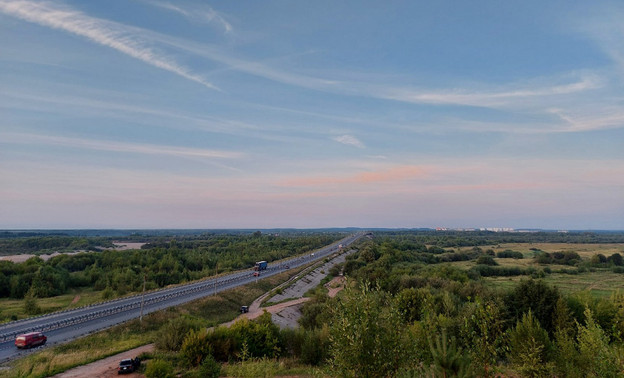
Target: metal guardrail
(150,298)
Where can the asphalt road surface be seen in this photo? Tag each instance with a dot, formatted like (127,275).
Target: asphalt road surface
(64,326)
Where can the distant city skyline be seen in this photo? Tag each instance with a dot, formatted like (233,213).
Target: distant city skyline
(214,115)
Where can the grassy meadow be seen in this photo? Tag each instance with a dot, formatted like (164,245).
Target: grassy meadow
(599,282)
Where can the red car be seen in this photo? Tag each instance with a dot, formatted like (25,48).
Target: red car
(256,274)
(29,340)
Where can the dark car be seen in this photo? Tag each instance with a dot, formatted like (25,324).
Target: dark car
(128,365)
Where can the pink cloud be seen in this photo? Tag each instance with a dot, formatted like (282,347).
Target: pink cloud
(393,174)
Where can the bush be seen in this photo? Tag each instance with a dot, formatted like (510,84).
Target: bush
(616,259)
(543,258)
(171,336)
(509,254)
(195,347)
(315,346)
(159,369)
(486,260)
(496,271)
(536,296)
(210,368)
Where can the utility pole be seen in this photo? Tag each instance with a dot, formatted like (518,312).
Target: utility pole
(215,280)
(143,298)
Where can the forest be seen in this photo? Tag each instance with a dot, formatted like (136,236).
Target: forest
(163,261)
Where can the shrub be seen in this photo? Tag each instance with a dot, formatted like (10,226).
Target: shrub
(171,336)
(543,258)
(616,259)
(159,369)
(534,295)
(509,254)
(210,368)
(411,303)
(315,346)
(486,260)
(495,271)
(195,347)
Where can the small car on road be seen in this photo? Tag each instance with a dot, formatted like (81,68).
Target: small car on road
(128,365)
(30,340)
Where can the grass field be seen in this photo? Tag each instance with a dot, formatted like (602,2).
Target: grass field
(584,250)
(599,283)
(13,309)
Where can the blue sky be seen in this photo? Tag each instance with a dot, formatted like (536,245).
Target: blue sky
(248,114)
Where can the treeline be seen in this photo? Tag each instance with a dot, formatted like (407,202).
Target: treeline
(410,239)
(43,244)
(162,263)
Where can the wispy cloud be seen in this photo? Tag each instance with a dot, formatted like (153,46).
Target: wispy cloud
(122,38)
(601,118)
(603,24)
(203,14)
(112,146)
(349,140)
(486,98)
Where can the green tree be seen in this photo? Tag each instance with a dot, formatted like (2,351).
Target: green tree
(411,303)
(448,359)
(483,333)
(31,307)
(365,334)
(596,357)
(534,295)
(530,347)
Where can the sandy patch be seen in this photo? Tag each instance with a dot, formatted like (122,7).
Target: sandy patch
(123,246)
(335,285)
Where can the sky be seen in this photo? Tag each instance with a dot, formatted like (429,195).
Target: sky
(306,114)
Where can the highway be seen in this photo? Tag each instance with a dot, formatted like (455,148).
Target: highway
(64,326)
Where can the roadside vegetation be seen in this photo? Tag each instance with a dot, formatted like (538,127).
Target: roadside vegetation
(173,323)
(111,273)
(416,304)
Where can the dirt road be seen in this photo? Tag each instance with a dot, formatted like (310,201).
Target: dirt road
(106,367)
